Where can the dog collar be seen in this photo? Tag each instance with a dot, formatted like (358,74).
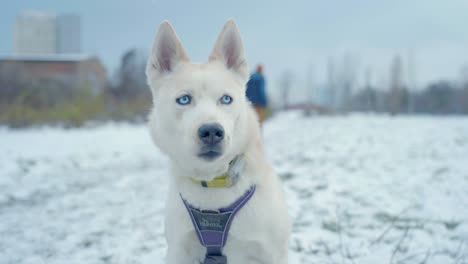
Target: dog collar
(228,179)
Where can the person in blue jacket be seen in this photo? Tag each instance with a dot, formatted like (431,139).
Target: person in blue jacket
(256,92)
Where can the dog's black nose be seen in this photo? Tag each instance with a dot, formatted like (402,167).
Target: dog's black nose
(211,134)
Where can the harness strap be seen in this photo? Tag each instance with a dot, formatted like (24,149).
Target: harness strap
(212,227)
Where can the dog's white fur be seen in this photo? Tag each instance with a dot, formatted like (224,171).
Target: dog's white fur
(260,231)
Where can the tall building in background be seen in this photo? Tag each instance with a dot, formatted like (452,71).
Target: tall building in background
(68,33)
(43,33)
(35,33)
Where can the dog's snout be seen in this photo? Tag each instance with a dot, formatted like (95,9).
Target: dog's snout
(211,134)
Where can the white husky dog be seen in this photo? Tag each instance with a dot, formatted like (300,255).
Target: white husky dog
(203,121)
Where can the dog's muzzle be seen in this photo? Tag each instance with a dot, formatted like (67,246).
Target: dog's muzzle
(211,136)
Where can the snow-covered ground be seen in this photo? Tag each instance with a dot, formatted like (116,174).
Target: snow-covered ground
(361,189)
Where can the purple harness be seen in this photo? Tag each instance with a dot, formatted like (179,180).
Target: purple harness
(212,227)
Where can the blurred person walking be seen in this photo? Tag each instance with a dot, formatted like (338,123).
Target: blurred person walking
(256,92)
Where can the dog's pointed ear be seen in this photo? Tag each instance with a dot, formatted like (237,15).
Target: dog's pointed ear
(167,51)
(229,50)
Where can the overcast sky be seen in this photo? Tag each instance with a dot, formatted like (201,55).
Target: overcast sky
(283,35)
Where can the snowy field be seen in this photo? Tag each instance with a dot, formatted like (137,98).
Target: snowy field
(361,189)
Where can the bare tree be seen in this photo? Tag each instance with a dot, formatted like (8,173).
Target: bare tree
(331,83)
(411,72)
(310,90)
(463,98)
(131,79)
(396,85)
(346,80)
(464,75)
(349,74)
(285,86)
(369,100)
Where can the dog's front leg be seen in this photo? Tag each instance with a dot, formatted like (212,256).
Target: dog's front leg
(181,256)
(184,247)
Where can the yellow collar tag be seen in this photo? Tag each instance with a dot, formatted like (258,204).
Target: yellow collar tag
(222,181)
(236,166)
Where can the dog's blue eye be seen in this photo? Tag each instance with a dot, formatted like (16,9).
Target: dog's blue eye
(184,99)
(226,99)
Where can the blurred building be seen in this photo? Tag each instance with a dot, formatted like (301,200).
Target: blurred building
(35,32)
(68,33)
(74,71)
(43,33)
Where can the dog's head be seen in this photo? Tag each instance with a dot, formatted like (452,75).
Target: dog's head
(200,110)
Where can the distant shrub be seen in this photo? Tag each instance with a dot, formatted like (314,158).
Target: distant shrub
(35,108)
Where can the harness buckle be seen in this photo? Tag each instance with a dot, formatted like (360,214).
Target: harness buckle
(215,259)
